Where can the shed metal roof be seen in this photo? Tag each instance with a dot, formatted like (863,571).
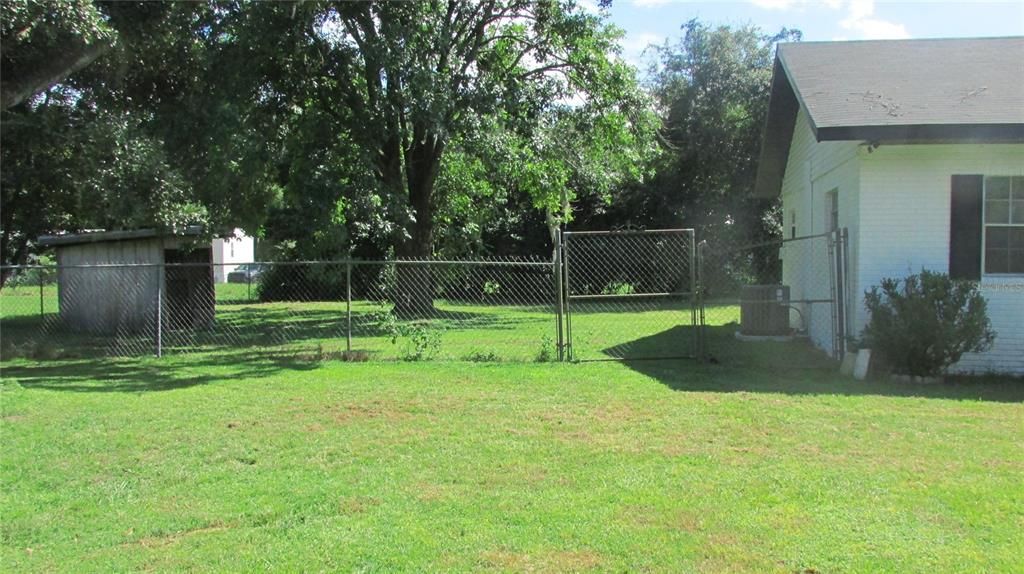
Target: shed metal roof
(115,235)
(894,91)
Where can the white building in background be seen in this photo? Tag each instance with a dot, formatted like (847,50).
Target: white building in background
(230,252)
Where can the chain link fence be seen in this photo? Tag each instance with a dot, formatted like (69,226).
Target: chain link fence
(630,294)
(497,309)
(604,295)
(772,293)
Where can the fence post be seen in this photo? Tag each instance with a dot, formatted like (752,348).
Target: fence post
(42,311)
(559,302)
(348,305)
(702,351)
(841,289)
(693,291)
(846,287)
(159,310)
(567,288)
(832,260)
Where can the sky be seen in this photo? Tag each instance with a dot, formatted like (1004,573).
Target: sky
(652,21)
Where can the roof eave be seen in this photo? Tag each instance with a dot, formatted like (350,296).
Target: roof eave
(926,133)
(116,235)
(780,121)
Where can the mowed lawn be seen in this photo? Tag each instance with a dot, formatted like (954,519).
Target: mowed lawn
(235,462)
(502,330)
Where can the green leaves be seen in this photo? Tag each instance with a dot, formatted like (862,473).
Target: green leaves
(924,323)
(712,89)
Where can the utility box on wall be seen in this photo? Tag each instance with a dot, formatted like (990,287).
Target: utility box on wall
(764,310)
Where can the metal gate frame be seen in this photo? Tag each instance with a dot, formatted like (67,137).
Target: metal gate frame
(563,286)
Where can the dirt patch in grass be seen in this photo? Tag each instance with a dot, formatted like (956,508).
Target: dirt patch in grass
(356,504)
(550,561)
(428,492)
(347,413)
(360,411)
(175,537)
(646,516)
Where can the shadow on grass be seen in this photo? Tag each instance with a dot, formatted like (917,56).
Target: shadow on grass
(147,375)
(247,327)
(795,368)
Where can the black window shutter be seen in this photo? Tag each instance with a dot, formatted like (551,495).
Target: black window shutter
(965,227)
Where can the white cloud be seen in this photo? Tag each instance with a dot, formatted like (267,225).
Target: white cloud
(590,6)
(875,29)
(650,3)
(788,4)
(774,4)
(640,42)
(633,46)
(859,19)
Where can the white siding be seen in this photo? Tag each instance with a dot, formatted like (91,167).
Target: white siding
(229,253)
(905,207)
(813,169)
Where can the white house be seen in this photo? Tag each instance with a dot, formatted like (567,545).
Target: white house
(917,148)
(230,252)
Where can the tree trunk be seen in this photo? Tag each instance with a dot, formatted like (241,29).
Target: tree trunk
(414,284)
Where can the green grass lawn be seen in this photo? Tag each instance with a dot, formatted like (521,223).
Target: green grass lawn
(454,330)
(236,461)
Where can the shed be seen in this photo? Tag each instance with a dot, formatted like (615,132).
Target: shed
(109,282)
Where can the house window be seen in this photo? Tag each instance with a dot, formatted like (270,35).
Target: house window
(1003,217)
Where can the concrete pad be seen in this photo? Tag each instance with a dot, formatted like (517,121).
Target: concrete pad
(861,365)
(846,367)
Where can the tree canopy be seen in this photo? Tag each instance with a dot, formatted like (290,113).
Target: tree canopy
(712,88)
(412,128)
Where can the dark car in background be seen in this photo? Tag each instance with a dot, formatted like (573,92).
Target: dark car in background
(246,273)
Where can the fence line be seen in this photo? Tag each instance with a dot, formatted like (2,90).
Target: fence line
(620,295)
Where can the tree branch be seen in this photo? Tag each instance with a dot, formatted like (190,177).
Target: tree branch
(53,70)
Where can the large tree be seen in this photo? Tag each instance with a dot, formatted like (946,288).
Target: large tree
(394,87)
(69,166)
(712,88)
(404,80)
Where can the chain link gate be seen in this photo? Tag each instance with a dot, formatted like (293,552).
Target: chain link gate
(795,288)
(628,295)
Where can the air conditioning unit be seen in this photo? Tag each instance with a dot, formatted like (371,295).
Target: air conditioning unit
(764,310)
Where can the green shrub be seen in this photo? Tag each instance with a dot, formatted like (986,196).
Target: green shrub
(47,274)
(924,323)
(422,340)
(618,288)
(483,357)
(546,353)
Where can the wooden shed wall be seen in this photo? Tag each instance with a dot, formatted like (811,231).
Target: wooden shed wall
(110,299)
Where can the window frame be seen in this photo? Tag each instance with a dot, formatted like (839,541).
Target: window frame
(985,225)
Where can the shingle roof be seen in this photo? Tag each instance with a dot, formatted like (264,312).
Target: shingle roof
(896,91)
(909,82)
